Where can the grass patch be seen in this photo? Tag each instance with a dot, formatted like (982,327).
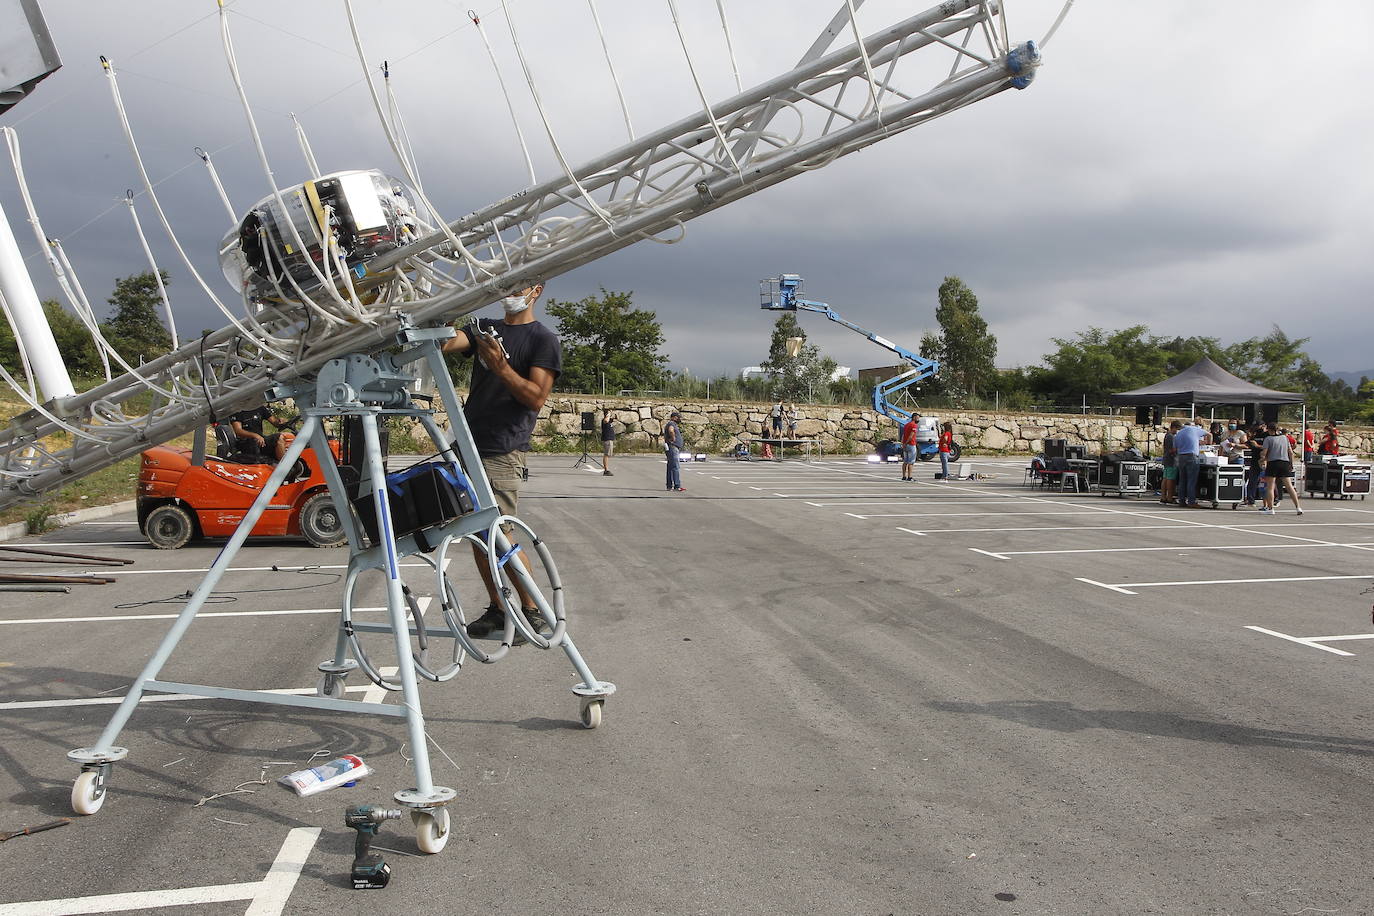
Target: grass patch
(113,484)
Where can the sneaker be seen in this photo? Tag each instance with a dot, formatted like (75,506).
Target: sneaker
(607,474)
(681,489)
(1299,508)
(492,620)
(1265,510)
(541,626)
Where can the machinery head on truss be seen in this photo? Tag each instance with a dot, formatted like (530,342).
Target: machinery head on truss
(296,242)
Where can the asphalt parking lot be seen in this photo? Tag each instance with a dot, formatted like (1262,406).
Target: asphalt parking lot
(837,693)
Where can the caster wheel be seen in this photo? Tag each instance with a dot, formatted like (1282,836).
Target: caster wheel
(330,686)
(431,829)
(591,713)
(87,793)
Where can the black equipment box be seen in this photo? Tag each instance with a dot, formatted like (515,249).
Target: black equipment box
(1075,452)
(1333,479)
(1221,483)
(1123,477)
(420,497)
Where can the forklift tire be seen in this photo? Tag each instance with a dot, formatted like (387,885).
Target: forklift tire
(955,452)
(320,522)
(169,527)
(926,456)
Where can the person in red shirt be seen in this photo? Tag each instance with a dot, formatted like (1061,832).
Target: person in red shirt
(909,447)
(946,447)
(1331,443)
(1309,444)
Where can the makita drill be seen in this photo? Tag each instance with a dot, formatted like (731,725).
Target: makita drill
(369,871)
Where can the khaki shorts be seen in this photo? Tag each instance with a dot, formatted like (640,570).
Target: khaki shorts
(505,473)
(608,447)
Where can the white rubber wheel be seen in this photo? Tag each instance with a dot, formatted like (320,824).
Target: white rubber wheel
(330,686)
(431,829)
(85,799)
(591,713)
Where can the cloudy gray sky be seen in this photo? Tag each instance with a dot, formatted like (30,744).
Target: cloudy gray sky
(1198,168)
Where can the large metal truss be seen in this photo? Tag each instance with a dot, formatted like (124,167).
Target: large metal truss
(828,106)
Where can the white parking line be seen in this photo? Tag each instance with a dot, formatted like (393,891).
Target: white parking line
(1014,553)
(268,896)
(1314,642)
(1140,527)
(1123,586)
(199,616)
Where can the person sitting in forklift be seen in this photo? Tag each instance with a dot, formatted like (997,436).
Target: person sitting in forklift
(252,444)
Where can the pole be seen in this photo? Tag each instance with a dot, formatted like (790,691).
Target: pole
(30,324)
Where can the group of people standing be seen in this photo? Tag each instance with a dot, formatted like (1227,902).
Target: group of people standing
(1267,450)
(911,447)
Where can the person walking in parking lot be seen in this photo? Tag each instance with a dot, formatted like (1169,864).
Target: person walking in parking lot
(1188,442)
(1278,469)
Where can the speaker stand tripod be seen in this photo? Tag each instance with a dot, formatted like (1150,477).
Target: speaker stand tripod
(585,459)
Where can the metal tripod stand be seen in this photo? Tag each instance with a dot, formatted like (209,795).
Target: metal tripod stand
(369,388)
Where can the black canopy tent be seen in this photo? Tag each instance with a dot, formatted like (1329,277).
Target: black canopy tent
(1204,382)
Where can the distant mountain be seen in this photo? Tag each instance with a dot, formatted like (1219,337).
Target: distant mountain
(1351,378)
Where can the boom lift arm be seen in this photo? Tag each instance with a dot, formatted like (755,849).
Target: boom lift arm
(782,294)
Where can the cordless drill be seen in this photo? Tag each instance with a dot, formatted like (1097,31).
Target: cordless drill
(369,871)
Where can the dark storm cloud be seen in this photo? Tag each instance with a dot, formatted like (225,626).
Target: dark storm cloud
(1155,173)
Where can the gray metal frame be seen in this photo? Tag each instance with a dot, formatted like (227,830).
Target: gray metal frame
(366,387)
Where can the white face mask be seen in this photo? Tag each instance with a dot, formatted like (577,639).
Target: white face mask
(514,305)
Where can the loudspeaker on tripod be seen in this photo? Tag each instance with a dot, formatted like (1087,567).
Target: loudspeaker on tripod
(588,421)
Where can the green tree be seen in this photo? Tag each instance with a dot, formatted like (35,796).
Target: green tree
(73,341)
(964,347)
(800,377)
(607,343)
(134,329)
(1099,363)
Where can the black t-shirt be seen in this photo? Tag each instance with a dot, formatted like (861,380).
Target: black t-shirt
(498,421)
(607,430)
(252,420)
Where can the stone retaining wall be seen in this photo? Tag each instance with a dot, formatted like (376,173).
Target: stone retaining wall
(715,427)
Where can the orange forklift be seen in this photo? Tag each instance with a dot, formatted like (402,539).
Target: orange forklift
(185,493)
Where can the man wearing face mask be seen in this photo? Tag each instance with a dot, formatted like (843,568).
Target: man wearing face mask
(511,379)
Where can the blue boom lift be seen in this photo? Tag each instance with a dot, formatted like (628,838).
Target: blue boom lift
(783,294)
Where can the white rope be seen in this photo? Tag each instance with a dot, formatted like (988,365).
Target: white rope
(701,92)
(548,128)
(23,350)
(214,177)
(729,44)
(162,215)
(352,310)
(472,262)
(620,93)
(76,296)
(1057,22)
(306,151)
(477,21)
(398,125)
(157,272)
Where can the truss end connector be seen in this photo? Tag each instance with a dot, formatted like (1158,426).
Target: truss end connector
(1023,60)
(704,193)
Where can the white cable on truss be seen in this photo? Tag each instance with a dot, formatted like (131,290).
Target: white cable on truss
(729,44)
(398,124)
(306,151)
(157,271)
(1059,20)
(260,339)
(548,127)
(477,21)
(214,177)
(620,93)
(701,91)
(61,270)
(23,350)
(472,262)
(352,310)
